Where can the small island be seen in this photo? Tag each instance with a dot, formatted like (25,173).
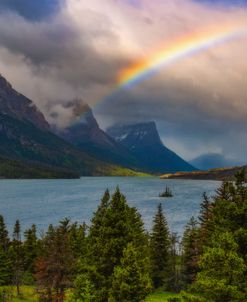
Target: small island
(166,193)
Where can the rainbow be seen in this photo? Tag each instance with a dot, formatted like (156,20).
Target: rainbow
(169,53)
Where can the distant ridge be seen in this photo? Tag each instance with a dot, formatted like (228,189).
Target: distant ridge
(212,161)
(224,174)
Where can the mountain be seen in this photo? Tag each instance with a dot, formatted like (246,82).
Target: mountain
(144,143)
(223,174)
(21,140)
(86,134)
(16,105)
(213,160)
(25,137)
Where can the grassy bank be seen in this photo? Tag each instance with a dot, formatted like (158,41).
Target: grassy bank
(28,295)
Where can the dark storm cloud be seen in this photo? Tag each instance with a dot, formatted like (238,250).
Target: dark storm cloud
(58,48)
(32,9)
(39,43)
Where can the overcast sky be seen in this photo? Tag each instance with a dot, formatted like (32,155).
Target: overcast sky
(54,51)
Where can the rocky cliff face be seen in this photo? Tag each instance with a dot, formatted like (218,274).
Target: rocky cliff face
(18,106)
(143,141)
(136,136)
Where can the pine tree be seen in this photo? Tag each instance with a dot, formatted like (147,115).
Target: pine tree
(16,252)
(206,211)
(30,252)
(84,290)
(5,261)
(223,263)
(160,247)
(131,280)
(226,191)
(78,240)
(17,231)
(4,239)
(5,268)
(222,275)
(99,216)
(190,257)
(55,267)
(114,225)
(205,220)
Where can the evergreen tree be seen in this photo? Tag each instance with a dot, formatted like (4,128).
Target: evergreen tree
(160,247)
(5,261)
(30,251)
(222,276)
(55,267)
(131,280)
(226,191)
(205,220)
(223,264)
(205,212)
(17,231)
(114,225)
(78,240)
(83,289)
(5,268)
(4,239)
(16,254)
(190,256)
(240,178)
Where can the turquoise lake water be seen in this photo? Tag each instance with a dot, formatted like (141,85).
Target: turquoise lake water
(48,201)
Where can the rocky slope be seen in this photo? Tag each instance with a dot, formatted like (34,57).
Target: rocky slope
(143,142)
(18,106)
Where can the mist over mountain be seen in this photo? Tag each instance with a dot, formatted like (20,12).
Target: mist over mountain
(214,160)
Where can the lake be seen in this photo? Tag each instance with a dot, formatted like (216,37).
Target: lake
(48,201)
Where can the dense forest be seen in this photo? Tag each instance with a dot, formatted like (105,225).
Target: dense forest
(116,260)
(16,169)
